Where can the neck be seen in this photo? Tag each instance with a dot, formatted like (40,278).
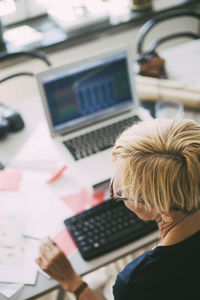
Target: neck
(179,228)
(165,227)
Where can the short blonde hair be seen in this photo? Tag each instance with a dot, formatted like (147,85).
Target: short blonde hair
(161,164)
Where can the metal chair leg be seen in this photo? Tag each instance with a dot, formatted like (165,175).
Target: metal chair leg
(61,294)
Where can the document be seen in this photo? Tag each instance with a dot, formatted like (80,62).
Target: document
(17,254)
(9,289)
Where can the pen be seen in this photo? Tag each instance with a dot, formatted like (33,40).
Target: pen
(31,237)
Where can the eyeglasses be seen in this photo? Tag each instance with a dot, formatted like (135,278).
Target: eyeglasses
(117,195)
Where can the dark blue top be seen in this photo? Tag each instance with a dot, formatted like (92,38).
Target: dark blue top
(166,272)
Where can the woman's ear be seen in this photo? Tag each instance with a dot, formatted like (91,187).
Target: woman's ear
(168,216)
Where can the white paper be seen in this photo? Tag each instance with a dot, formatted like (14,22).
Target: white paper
(38,204)
(11,241)
(9,289)
(25,272)
(17,255)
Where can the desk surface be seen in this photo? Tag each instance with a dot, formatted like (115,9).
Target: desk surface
(82,267)
(34,193)
(10,147)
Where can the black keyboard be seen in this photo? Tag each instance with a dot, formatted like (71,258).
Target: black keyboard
(106,227)
(97,140)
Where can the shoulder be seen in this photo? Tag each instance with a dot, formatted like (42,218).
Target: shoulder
(164,268)
(136,273)
(135,268)
(163,259)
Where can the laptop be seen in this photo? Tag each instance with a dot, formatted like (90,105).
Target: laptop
(87,105)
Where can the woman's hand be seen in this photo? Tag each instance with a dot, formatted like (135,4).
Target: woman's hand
(53,262)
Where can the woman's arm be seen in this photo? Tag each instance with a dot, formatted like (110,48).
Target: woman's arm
(53,261)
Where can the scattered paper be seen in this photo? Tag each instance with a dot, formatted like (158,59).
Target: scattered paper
(65,242)
(83,200)
(26,272)
(42,272)
(11,241)
(17,255)
(9,289)
(9,179)
(99,196)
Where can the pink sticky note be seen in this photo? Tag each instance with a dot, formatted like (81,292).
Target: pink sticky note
(65,242)
(9,179)
(98,198)
(80,201)
(76,201)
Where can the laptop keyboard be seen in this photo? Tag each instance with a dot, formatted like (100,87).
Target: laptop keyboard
(98,140)
(106,227)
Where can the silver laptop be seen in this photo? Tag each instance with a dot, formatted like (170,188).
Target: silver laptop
(87,104)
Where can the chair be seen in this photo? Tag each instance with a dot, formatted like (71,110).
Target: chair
(150,63)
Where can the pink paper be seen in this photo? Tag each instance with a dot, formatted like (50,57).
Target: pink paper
(9,179)
(83,200)
(98,197)
(65,242)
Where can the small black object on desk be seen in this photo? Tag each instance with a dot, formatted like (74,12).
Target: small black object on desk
(10,121)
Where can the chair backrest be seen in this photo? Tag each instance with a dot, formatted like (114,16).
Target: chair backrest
(150,62)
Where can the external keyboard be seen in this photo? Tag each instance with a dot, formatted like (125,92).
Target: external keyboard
(98,140)
(106,227)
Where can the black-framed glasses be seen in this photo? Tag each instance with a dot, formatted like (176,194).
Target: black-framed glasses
(117,195)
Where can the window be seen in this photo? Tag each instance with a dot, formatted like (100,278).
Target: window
(25,9)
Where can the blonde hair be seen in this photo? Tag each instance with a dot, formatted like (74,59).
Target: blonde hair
(161,164)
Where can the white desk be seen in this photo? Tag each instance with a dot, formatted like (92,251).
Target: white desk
(50,196)
(40,203)
(22,94)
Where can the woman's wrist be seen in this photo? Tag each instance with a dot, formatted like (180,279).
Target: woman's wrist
(71,285)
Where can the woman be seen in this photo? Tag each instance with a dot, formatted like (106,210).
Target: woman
(157,175)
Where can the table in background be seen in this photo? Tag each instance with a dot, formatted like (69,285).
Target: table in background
(13,144)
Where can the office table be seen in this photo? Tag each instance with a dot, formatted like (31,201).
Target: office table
(13,144)
(34,193)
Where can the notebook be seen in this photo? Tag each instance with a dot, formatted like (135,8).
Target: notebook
(87,105)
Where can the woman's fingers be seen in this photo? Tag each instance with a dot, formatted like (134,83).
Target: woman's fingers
(42,262)
(53,261)
(49,243)
(50,255)
(48,248)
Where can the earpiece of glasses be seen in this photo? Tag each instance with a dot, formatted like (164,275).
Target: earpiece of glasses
(114,195)
(117,195)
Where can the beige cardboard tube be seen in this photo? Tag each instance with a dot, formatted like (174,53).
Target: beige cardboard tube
(153,89)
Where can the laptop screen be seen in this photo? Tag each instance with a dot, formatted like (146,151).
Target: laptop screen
(86,91)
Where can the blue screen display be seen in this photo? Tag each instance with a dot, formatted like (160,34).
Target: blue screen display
(77,95)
